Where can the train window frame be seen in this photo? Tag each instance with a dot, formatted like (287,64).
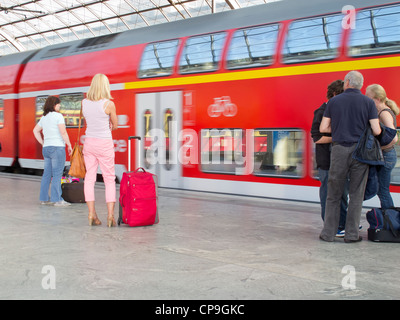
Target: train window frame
(364,40)
(209,161)
(300,164)
(249,61)
(160,71)
(1,113)
(316,54)
(75,117)
(40,100)
(202,66)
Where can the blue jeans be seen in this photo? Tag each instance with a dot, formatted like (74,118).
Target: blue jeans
(384,173)
(54,162)
(323,193)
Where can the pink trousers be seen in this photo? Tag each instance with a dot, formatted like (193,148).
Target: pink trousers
(99,152)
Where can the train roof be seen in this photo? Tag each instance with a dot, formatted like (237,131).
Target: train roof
(255,15)
(16,58)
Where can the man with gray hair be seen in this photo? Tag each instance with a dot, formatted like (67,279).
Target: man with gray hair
(347,116)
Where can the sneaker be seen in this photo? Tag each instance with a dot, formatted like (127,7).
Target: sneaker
(62,203)
(341,233)
(45,202)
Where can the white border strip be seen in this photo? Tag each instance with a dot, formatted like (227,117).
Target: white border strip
(9,96)
(39,164)
(267,190)
(6,161)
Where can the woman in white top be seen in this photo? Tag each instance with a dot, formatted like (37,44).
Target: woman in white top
(101,118)
(55,137)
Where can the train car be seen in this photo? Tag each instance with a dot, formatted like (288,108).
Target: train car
(224,102)
(11,68)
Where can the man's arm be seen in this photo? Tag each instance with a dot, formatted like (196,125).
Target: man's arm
(324,139)
(376,128)
(325,126)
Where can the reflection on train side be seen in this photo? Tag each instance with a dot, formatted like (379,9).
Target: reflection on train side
(277,152)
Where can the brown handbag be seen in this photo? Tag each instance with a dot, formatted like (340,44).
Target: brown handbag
(78,168)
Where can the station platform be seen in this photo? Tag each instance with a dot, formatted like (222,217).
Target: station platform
(206,247)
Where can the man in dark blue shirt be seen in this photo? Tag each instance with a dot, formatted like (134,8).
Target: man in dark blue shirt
(346,117)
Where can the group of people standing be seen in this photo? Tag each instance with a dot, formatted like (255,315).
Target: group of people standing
(101,119)
(336,129)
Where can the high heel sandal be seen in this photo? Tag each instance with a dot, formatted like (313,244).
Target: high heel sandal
(111,222)
(94,221)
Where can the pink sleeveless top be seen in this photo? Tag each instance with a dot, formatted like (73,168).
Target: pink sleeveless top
(97,121)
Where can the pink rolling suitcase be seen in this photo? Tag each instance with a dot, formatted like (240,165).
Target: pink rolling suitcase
(138,199)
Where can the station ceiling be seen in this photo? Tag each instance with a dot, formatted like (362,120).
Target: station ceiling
(32,24)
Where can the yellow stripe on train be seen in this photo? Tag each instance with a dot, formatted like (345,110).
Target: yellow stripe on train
(387,62)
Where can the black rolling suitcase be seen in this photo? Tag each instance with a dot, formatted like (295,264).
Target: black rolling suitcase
(73,192)
(384,225)
(72,188)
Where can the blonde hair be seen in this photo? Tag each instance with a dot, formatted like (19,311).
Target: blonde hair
(99,88)
(380,94)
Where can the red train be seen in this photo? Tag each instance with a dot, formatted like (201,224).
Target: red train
(224,102)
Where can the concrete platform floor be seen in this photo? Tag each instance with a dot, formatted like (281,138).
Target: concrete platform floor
(206,246)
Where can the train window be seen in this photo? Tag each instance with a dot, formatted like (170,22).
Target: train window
(148,139)
(71,108)
(158,59)
(377,31)
(1,113)
(252,47)
(278,152)
(222,150)
(39,107)
(313,160)
(97,41)
(168,132)
(313,39)
(55,52)
(202,53)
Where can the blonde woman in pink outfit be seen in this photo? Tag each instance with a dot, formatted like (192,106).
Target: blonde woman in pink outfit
(101,119)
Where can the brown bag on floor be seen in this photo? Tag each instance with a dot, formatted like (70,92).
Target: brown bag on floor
(78,168)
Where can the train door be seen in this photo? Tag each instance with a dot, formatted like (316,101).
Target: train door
(158,122)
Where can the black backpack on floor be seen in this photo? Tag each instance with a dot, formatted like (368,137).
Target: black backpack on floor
(384,225)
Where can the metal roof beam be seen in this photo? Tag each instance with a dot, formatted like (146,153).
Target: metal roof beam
(233,4)
(12,40)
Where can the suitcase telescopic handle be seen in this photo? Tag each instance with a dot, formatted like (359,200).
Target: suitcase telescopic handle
(129,150)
